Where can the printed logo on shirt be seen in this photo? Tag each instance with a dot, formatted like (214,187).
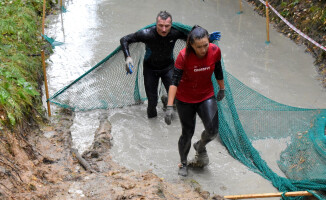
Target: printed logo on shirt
(201,69)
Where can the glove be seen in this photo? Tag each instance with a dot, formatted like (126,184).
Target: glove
(168,115)
(129,65)
(220,95)
(214,36)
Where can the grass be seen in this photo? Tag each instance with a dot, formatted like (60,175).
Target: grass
(20,63)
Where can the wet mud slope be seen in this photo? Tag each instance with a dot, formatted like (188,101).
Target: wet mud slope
(58,171)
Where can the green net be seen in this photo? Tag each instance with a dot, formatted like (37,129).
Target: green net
(52,41)
(245,116)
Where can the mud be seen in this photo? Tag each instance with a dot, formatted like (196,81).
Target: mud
(56,173)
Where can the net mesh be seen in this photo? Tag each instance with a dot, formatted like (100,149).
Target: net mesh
(245,116)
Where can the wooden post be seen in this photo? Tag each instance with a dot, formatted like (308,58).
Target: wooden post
(46,83)
(43,16)
(266,195)
(240,2)
(267,22)
(43,62)
(240,5)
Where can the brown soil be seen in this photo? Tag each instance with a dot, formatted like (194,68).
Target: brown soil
(44,166)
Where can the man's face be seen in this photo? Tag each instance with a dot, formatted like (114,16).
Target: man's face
(163,27)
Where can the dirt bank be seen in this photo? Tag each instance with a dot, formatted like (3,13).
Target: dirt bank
(46,167)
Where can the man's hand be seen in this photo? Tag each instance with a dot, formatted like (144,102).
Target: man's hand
(215,36)
(129,65)
(168,115)
(220,95)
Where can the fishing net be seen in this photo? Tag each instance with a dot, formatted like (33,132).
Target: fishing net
(245,117)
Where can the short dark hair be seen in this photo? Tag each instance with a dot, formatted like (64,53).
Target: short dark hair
(164,15)
(197,32)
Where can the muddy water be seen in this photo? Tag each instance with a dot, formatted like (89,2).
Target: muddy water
(282,71)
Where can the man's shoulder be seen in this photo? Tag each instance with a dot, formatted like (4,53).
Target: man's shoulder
(149,29)
(145,34)
(176,31)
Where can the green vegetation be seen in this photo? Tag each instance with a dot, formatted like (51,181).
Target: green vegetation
(309,16)
(20,44)
(20,61)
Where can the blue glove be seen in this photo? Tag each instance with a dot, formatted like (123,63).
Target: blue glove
(129,65)
(214,36)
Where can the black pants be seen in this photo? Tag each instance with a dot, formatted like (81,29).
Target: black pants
(151,81)
(207,111)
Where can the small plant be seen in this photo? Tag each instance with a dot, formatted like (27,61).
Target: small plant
(284,4)
(294,3)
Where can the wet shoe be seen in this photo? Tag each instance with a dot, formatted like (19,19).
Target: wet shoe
(164,100)
(183,170)
(201,158)
(151,112)
(196,147)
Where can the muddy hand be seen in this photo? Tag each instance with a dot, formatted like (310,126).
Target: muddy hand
(168,115)
(220,95)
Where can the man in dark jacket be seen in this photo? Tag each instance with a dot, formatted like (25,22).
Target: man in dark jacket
(158,61)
